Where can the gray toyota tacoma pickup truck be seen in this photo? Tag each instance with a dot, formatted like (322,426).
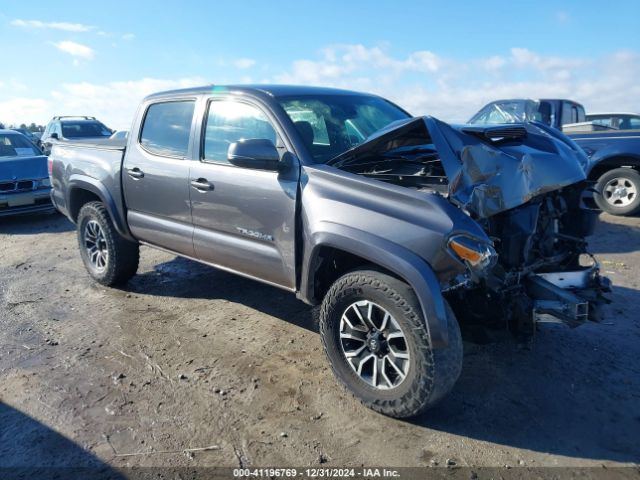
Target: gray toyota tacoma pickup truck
(397,226)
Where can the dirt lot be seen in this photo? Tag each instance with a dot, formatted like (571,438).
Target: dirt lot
(190,357)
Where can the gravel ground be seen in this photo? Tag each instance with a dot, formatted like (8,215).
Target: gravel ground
(188,357)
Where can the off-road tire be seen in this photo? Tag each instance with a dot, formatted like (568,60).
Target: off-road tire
(123,255)
(432,372)
(628,173)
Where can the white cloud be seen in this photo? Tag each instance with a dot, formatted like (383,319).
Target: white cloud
(244,63)
(454,89)
(114,103)
(421,81)
(493,63)
(67,27)
(128,36)
(341,61)
(23,110)
(75,49)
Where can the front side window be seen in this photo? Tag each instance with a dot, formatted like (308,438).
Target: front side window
(167,127)
(229,121)
(634,124)
(629,123)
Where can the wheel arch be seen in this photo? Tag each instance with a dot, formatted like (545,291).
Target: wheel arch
(610,163)
(356,248)
(82,189)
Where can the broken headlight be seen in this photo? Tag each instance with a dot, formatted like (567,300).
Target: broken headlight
(476,254)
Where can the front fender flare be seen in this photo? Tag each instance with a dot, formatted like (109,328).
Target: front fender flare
(391,256)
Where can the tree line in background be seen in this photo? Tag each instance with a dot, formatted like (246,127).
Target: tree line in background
(32,127)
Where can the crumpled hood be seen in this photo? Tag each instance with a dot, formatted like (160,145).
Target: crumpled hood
(23,168)
(490,169)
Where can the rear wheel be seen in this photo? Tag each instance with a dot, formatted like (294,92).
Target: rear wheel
(375,338)
(109,258)
(619,191)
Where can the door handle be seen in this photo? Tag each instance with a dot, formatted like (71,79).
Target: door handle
(201,184)
(135,172)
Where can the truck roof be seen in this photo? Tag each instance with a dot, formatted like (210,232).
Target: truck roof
(535,100)
(612,113)
(256,89)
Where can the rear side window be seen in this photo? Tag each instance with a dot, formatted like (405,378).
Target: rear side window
(229,121)
(166,128)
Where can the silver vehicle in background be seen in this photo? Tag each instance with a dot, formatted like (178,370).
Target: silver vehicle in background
(120,135)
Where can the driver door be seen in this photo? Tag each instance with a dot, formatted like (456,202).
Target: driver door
(244,219)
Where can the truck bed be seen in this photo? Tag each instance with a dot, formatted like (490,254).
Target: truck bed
(94,163)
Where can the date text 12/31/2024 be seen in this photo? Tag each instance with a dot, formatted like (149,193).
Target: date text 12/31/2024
(315,473)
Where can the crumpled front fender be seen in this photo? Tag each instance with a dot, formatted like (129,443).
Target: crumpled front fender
(405,264)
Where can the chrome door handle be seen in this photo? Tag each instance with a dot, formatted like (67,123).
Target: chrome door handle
(201,184)
(135,172)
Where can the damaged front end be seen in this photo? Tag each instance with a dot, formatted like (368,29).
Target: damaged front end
(525,185)
(544,272)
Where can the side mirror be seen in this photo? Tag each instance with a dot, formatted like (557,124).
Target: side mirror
(54,135)
(257,153)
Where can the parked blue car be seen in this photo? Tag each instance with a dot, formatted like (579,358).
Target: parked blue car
(24,178)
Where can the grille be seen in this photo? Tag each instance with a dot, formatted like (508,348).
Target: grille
(21,186)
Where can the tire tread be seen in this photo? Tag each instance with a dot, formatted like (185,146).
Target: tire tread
(438,370)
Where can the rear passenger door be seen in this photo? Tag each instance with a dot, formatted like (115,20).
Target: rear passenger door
(244,219)
(155,176)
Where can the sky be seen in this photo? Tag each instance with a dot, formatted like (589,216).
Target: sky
(445,58)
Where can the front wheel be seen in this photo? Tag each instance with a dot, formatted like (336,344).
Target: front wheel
(109,258)
(374,335)
(619,191)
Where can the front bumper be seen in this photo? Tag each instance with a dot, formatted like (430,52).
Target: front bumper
(571,298)
(34,201)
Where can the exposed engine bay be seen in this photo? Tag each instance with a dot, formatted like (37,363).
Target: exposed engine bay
(525,186)
(543,271)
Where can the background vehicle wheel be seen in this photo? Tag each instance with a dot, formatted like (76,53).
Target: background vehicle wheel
(375,338)
(109,258)
(620,191)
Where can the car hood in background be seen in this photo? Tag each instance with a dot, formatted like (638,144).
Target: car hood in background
(490,168)
(23,168)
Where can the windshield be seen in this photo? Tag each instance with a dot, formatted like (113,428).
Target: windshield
(514,111)
(16,145)
(332,124)
(84,129)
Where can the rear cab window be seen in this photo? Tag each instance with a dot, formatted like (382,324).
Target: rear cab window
(572,113)
(166,129)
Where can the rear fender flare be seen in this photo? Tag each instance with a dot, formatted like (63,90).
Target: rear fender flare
(393,257)
(83,182)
